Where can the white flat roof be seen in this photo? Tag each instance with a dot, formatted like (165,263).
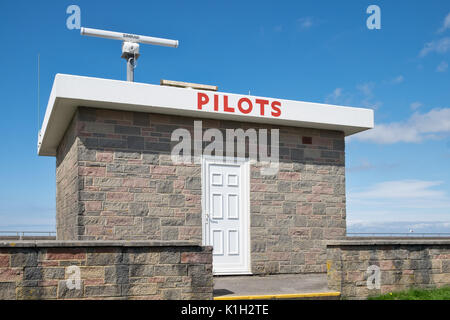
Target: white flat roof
(70,92)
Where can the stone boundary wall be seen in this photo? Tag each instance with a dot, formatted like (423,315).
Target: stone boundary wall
(108,270)
(8,238)
(403,264)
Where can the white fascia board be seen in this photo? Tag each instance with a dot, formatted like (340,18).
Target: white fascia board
(70,92)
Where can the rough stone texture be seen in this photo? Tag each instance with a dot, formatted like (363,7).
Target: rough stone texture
(67,188)
(113,271)
(116,180)
(403,264)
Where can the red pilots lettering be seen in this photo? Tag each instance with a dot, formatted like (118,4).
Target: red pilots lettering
(244,105)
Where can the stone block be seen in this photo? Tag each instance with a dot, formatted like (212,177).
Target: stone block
(138,209)
(257,220)
(193,183)
(7,290)
(92,272)
(171,294)
(66,254)
(135,143)
(193,218)
(36,293)
(171,270)
(103,291)
(150,158)
(142,270)
(139,289)
(104,259)
(127,130)
(446,266)
(176,200)
(169,233)
(272,267)
(196,257)
(24,258)
(68,290)
(164,186)
(142,257)
(32,273)
(111,143)
(319,208)
(167,257)
(258,246)
(117,274)
(199,278)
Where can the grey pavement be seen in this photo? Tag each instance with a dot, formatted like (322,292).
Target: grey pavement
(271,284)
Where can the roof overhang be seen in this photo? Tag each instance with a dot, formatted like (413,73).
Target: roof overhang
(70,92)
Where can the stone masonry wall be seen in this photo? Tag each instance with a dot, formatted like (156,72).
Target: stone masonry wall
(108,270)
(128,188)
(402,263)
(67,188)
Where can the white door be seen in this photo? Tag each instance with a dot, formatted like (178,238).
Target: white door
(226,215)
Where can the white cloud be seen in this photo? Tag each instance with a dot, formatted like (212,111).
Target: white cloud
(445,24)
(334,96)
(339,96)
(367,100)
(419,127)
(363,166)
(400,200)
(366,88)
(438,46)
(402,189)
(363,96)
(305,22)
(415,105)
(442,67)
(337,92)
(395,226)
(366,165)
(397,80)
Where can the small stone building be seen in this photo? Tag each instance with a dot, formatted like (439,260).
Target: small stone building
(116,177)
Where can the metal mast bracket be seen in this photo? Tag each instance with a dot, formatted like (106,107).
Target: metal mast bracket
(130,52)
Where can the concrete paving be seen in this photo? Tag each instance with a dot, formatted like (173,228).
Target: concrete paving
(267,285)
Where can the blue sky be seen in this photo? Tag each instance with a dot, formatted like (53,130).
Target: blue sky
(398,174)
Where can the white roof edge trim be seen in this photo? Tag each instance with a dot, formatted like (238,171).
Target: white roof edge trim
(69,92)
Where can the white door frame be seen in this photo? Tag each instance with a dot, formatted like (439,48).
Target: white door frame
(244,203)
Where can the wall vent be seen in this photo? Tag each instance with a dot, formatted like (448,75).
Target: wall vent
(307,140)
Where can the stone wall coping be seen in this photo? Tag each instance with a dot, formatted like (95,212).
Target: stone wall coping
(387,242)
(96,243)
